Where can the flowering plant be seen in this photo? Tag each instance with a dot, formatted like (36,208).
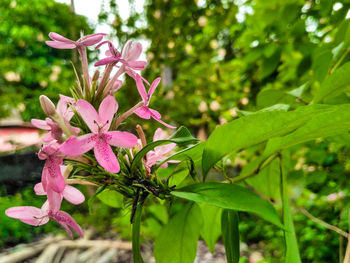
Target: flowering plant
(84,144)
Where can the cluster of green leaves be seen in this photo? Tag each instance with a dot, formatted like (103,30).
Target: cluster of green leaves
(28,67)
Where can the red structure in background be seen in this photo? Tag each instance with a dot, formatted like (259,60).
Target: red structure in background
(18,136)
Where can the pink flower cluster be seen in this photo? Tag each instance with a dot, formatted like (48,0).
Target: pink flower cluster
(64,141)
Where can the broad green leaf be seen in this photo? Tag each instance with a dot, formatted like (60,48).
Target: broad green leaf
(292,251)
(92,198)
(111,198)
(229,196)
(321,62)
(177,241)
(267,180)
(211,229)
(334,121)
(270,64)
(181,136)
(254,129)
(334,84)
(268,97)
(230,235)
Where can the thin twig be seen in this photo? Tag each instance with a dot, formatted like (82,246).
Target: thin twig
(323,223)
(126,114)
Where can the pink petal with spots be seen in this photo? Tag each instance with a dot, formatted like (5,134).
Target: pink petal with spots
(141,88)
(55,180)
(143,113)
(105,157)
(73,195)
(60,38)
(44,178)
(164,149)
(106,111)
(28,214)
(40,124)
(65,220)
(89,114)
(121,139)
(79,145)
(60,45)
(155,114)
(47,137)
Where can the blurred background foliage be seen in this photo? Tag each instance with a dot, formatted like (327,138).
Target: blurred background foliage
(218,59)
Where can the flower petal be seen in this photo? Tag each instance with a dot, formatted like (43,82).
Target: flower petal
(105,157)
(54,179)
(60,45)
(39,189)
(89,114)
(134,52)
(155,116)
(153,88)
(105,61)
(137,65)
(65,220)
(106,111)
(79,145)
(54,199)
(90,40)
(143,113)
(164,149)
(126,49)
(121,139)
(60,38)
(141,88)
(73,195)
(28,214)
(40,124)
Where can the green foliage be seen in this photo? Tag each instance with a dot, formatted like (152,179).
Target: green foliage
(177,241)
(28,67)
(229,196)
(211,229)
(230,235)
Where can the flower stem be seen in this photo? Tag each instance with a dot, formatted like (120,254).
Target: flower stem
(111,82)
(85,67)
(136,248)
(126,114)
(105,77)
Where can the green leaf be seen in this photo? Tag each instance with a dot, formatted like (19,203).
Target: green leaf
(181,136)
(136,247)
(230,235)
(111,198)
(211,229)
(292,251)
(177,241)
(267,180)
(321,63)
(254,129)
(334,84)
(92,198)
(229,196)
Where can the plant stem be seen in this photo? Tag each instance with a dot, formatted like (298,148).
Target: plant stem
(111,81)
(136,248)
(85,67)
(126,114)
(105,77)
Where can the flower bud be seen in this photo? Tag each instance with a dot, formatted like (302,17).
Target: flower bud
(47,105)
(96,75)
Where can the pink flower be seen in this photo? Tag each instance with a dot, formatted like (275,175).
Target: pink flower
(152,157)
(100,139)
(128,57)
(70,193)
(61,42)
(37,217)
(145,112)
(55,132)
(51,175)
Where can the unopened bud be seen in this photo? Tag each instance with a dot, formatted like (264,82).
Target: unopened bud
(96,75)
(47,105)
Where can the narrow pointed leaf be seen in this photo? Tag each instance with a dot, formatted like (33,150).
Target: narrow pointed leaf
(211,229)
(230,235)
